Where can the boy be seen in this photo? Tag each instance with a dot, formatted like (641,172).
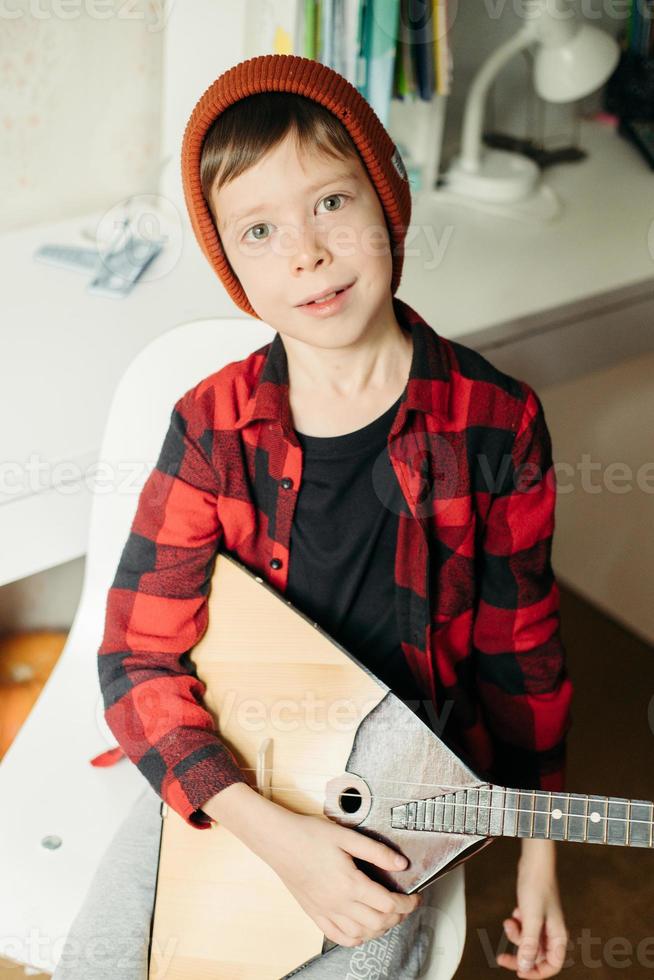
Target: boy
(370,470)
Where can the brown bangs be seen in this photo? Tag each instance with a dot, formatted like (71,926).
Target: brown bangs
(247,130)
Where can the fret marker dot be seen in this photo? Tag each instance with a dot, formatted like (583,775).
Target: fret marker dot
(557,814)
(594,816)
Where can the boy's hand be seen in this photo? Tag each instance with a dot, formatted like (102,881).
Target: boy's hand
(537,925)
(313,857)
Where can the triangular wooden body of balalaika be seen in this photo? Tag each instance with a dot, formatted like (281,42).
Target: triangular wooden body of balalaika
(220,911)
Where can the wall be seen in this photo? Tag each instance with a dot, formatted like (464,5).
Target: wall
(604,536)
(79,106)
(47,600)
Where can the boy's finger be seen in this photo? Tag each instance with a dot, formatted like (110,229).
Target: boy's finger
(529,943)
(374,852)
(539,971)
(374,894)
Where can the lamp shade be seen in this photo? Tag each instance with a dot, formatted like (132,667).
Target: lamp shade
(569,71)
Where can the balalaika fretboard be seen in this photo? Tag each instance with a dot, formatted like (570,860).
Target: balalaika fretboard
(500,812)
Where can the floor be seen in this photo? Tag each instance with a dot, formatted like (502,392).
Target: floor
(605,890)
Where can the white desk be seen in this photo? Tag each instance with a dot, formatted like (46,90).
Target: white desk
(548,302)
(543,302)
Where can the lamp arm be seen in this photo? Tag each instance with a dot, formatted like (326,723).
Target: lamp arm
(473,117)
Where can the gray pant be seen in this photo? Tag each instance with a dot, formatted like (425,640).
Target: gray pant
(110,936)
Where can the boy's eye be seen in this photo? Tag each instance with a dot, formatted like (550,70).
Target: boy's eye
(330,197)
(253,228)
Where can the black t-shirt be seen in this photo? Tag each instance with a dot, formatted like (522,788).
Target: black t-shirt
(343,541)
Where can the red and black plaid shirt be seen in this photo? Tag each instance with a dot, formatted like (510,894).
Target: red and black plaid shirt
(476,599)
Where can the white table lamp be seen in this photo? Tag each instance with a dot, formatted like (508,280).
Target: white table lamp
(571,60)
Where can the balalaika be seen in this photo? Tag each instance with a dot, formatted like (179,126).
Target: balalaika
(322,735)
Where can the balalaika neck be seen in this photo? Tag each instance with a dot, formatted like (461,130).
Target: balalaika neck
(495,811)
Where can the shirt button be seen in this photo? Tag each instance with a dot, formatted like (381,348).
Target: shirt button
(286,482)
(275,563)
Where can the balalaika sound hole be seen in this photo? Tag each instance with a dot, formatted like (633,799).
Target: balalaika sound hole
(350,800)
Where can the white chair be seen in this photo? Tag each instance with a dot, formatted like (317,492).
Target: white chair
(59,813)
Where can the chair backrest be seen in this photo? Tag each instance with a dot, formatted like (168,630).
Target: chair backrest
(47,786)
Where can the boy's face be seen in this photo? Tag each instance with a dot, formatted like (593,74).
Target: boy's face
(295,226)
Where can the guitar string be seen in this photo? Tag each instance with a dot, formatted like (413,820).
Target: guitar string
(470,806)
(411,782)
(458,786)
(482,806)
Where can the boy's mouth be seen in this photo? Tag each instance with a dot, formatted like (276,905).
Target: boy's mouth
(327,296)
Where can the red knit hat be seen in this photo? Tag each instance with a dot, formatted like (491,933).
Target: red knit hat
(303,76)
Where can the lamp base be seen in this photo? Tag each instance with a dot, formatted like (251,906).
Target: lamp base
(500,176)
(542,206)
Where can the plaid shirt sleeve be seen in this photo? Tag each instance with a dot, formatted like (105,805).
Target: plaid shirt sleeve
(522,681)
(156,611)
